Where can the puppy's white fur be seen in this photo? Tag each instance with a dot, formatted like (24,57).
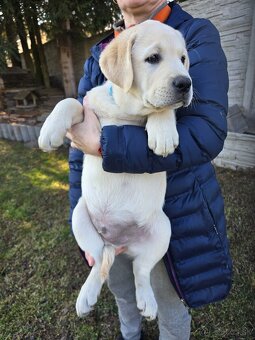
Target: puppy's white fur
(126,209)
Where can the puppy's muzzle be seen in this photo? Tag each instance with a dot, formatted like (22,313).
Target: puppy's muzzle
(177,92)
(182,85)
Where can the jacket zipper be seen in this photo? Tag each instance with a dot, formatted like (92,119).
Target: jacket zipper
(176,283)
(212,217)
(218,234)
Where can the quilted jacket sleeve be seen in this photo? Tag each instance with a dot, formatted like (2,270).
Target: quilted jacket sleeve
(202,126)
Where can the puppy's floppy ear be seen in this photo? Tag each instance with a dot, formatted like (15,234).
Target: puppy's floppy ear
(115,61)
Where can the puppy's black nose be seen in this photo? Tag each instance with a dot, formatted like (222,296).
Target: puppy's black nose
(182,84)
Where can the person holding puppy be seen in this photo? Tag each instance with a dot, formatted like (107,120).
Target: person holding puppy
(197,267)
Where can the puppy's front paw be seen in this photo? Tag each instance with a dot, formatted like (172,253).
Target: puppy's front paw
(51,136)
(65,114)
(163,139)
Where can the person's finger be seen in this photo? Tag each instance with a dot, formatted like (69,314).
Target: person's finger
(77,146)
(120,250)
(90,259)
(69,135)
(73,145)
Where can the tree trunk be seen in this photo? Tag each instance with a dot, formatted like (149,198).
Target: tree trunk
(66,61)
(12,38)
(44,67)
(23,37)
(36,56)
(34,49)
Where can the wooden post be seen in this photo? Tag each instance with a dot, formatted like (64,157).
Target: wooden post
(66,61)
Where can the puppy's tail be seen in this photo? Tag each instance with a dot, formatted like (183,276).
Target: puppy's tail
(107,262)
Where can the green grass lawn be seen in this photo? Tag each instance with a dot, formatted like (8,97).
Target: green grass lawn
(41,270)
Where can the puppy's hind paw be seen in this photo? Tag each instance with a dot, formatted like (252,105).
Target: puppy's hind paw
(84,304)
(82,307)
(147,304)
(87,298)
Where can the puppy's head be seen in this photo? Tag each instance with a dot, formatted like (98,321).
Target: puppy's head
(151,61)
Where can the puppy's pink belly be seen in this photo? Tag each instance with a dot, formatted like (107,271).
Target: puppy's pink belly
(121,234)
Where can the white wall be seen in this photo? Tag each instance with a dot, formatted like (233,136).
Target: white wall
(233,18)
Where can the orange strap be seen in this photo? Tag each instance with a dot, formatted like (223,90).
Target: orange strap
(160,16)
(163,14)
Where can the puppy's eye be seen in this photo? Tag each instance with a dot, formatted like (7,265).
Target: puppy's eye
(183,58)
(153,59)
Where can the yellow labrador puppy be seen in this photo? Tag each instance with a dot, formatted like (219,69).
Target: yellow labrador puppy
(147,72)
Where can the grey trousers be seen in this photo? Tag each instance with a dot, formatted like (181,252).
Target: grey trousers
(173,317)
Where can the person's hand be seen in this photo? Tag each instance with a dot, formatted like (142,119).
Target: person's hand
(85,136)
(91,260)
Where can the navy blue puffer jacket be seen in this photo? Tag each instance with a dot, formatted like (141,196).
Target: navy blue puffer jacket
(198,260)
